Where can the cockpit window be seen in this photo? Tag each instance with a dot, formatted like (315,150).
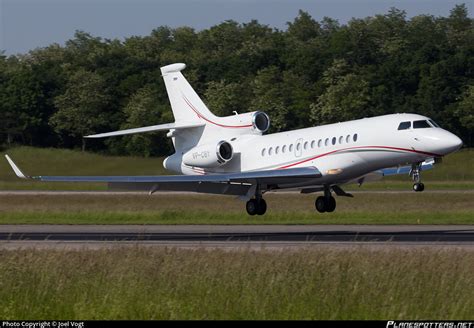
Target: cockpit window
(434,124)
(404,125)
(421,124)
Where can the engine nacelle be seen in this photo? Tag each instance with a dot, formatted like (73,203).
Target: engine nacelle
(208,156)
(260,121)
(253,122)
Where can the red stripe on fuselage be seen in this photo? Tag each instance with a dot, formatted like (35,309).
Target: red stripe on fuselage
(360,147)
(207,120)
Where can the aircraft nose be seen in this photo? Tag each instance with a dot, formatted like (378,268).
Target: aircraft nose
(451,143)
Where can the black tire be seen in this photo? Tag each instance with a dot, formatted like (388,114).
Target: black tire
(418,187)
(320,204)
(251,207)
(262,207)
(331,204)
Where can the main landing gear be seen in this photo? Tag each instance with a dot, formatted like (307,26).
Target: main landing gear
(325,203)
(257,205)
(415,173)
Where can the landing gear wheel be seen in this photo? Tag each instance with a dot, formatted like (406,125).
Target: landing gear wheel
(331,204)
(416,176)
(325,204)
(419,186)
(320,204)
(262,207)
(252,207)
(256,207)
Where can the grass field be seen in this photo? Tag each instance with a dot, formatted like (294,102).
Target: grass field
(289,208)
(48,161)
(456,171)
(139,283)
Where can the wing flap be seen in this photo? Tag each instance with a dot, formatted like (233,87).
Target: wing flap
(204,187)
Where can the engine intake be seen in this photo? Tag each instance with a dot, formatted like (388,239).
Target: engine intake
(260,121)
(209,155)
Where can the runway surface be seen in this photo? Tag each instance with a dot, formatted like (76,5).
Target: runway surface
(280,236)
(106,192)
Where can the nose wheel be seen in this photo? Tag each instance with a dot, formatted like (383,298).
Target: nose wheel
(415,173)
(419,186)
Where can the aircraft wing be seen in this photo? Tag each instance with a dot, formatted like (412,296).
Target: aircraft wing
(160,127)
(229,183)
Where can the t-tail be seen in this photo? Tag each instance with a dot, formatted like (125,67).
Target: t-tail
(196,129)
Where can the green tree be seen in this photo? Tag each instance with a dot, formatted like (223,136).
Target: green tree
(143,109)
(464,112)
(269,97)
(347,96)
(21,102)
(224,98)
(304,27)
(84,108)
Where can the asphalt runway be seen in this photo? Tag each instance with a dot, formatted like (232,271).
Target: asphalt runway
(106,192)
(225,236)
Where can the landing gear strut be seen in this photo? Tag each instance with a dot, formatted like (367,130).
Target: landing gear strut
(325,203)
(415,173)
(256,205)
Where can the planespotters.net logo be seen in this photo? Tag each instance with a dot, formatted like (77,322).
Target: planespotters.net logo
(429,324)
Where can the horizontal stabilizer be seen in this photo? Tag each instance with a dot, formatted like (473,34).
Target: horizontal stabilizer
(160,127)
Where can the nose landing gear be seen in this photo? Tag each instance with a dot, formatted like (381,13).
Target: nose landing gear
(415,173)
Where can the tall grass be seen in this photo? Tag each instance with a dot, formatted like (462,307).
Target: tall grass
(139,283)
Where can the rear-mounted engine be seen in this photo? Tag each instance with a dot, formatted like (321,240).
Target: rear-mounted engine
(208,156)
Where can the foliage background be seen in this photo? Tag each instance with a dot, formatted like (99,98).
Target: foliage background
(314,72)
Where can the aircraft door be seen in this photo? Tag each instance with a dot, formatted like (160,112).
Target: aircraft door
(298,147)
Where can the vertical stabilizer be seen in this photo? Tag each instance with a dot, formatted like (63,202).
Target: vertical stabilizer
(186,105)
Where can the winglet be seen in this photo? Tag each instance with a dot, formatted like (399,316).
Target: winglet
(16,169)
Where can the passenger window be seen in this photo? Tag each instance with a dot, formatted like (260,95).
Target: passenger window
(291,148)
(326,142)
(313,143)
(404,125)
(334,140)
(270,151)
(320,143)
(298,146)
(277,149)
(263,152)
(421,124)
(355,137)
(283,149)
(341,139)
(305,145)
(348,138)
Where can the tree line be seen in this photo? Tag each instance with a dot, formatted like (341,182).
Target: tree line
(312,73)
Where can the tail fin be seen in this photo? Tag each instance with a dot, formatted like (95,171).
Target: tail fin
(185,103)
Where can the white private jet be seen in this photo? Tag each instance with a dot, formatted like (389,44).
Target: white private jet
(230,155)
